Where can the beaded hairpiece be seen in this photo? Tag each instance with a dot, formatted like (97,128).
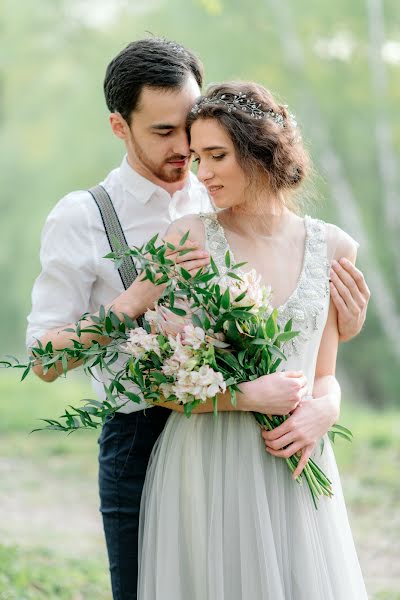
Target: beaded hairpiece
(245,104)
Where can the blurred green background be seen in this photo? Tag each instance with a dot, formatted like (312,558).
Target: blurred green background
(337,65)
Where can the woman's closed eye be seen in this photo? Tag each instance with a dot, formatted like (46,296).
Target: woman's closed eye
(196,159)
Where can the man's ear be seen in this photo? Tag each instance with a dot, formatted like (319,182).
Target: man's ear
(119,125)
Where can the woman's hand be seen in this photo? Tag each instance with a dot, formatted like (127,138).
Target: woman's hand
(308,423)
(276,394)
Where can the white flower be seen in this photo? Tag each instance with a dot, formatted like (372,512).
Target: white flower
(182,354)
(199,385)
(166,389)
(193,336)
(257,295)
(170,367)
(140,342)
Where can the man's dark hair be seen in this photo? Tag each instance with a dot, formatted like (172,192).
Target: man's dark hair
(154,62)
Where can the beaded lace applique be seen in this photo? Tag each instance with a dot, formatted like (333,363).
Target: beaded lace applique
(307,302)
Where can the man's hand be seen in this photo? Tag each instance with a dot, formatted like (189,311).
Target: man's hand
(143,294)
(350,294)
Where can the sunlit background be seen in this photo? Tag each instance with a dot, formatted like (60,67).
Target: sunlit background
(337,65)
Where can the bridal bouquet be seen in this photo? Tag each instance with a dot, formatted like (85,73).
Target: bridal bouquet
(207,334)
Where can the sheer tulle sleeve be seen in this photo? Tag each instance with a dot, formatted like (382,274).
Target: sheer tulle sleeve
(340,244)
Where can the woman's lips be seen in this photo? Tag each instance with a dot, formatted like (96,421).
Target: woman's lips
(214,189)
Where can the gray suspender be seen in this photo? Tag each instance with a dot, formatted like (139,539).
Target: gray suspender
(115,235)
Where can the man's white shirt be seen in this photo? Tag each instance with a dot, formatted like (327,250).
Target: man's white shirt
(75,278)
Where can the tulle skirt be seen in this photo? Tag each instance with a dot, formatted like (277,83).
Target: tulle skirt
(221,519)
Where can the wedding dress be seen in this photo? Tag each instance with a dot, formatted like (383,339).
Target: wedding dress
(221,519)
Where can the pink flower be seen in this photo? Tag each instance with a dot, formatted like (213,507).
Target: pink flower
(164,321)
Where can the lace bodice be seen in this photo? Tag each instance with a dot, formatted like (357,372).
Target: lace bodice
(308,304)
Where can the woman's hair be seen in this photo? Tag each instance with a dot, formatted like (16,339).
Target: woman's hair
(154,62)
(264,133)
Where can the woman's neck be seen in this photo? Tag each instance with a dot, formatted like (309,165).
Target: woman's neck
(257,220)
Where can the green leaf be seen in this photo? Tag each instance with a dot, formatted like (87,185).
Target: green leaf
(188,407)
(286,336)
(92,402)
(342,429)
(277,352)
(260,342)
(102,313)
(108,325)
(228,259)
(230,360)
(214,266)
(177,311)
(271,325)
(241,314)
(159,377)
(25,373)
(234,276)
(64,363)
(197,321)
(225,300)
(185,251)
(185,274)
(233,396)
(238,265)
(134,397)
(288,326)
(240,297)
(149,275)
(184,238)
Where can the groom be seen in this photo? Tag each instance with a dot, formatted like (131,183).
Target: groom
(149,88)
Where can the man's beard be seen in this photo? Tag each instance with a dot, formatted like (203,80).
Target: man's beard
(164,171)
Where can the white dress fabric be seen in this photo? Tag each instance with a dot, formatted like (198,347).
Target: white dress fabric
(221,519)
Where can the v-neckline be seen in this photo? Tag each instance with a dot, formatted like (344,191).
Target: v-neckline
(283,306)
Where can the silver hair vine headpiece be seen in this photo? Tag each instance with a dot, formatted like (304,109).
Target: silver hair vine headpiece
(245,104)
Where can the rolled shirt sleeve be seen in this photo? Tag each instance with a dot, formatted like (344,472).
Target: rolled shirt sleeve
(61,292)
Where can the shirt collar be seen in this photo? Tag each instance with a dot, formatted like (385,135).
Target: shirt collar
(142,188)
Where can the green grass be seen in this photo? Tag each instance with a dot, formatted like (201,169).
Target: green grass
(52,471)
(38,574)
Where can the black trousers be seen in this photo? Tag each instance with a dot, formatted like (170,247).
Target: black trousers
(125,443)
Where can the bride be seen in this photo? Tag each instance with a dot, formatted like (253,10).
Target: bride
(221,517)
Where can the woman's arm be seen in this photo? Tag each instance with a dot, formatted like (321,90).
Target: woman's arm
(278,394)
(316,415)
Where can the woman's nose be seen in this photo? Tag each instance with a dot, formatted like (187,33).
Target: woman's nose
(204,173)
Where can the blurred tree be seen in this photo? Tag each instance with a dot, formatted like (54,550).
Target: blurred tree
(54,135)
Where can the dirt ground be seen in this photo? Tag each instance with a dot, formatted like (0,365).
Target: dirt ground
(42,506)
